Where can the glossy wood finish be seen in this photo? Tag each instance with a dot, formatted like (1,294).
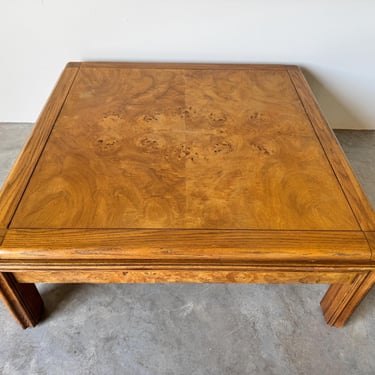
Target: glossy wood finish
(185,173)
(178,245)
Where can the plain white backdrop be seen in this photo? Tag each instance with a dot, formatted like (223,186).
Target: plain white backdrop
(333,40)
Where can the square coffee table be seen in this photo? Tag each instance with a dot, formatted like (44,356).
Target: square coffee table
(143,173)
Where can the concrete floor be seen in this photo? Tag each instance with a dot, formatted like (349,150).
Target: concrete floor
(190,329)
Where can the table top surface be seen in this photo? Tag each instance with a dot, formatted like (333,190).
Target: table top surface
(206,150)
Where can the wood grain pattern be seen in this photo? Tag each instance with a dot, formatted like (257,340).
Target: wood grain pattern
(70,244)
(2,235)
(350,185)
(19,176)
(371,240)
(184,173)
(146,148)
(185,276)
(341,299)
(22,300)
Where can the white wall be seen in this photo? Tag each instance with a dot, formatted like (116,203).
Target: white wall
(334,40)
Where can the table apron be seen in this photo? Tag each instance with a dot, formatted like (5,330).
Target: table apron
(205,275)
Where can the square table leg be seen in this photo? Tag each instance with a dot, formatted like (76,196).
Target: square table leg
(340,300)
(23,300)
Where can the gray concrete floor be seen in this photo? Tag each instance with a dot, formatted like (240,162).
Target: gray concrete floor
(190,329)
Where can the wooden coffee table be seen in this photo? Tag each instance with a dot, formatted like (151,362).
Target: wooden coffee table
(184,173)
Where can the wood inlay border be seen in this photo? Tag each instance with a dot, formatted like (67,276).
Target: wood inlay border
(357,199)
(23,169)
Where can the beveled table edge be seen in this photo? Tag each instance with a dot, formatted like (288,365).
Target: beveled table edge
(175,246)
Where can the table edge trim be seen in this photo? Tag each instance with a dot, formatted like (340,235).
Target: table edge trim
(352,190)
(24,167)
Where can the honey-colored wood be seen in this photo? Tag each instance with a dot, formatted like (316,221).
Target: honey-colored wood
(349,183)
(164,148)
(341,299)
(182,66)
(184,173)
(23,169)
(371,241)
(2,235)
(183,245)
(185,276)
(22,300)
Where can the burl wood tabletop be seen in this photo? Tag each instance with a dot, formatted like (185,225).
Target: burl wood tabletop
(183,148)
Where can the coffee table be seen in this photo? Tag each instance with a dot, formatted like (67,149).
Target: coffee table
(162,173)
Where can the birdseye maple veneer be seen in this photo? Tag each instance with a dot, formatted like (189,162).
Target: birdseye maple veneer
(184,173)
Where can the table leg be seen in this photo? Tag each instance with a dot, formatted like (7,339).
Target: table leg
(23,300)
(341,299)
